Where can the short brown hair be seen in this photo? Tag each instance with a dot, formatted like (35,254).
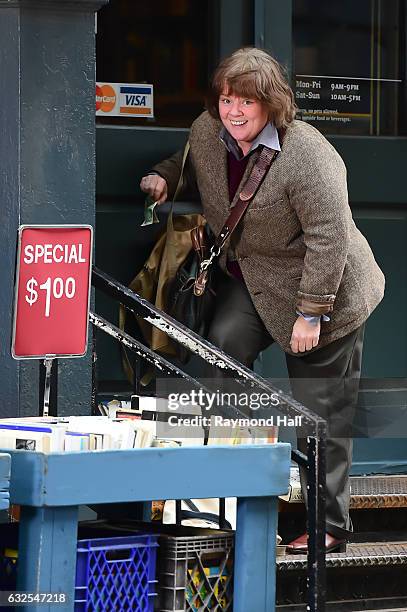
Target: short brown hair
(253,73)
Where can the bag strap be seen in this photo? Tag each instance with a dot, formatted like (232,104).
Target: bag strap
(181,176)
(250,188)
(259,171)
(194,512)
(203,516)
(171,240)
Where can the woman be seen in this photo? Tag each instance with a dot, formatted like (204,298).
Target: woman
(299,272)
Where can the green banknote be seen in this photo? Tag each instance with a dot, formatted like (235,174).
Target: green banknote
(150,214)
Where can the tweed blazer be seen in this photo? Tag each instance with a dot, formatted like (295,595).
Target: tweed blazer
(297,245)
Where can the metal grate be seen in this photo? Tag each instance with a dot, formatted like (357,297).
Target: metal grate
(378,492)
(366,492)
(356,555)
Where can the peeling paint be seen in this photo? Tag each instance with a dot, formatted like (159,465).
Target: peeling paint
(189,343)
(158,362)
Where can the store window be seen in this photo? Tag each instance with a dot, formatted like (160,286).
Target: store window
(349,65)
(164,42)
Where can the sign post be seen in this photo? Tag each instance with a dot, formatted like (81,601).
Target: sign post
(47,386)
(52,294)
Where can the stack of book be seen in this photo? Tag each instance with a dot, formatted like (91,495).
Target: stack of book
(140,423)
(76,433)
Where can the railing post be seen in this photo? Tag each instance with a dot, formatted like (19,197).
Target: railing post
(316,494)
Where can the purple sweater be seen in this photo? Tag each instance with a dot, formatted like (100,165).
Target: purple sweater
(236,169)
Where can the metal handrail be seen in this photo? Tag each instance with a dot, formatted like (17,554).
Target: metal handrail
(314,461)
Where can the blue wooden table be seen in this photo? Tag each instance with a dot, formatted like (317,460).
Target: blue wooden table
(4,481)
(51,487)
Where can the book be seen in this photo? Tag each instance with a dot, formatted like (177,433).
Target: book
(294,495)
(32,435)
(76,441)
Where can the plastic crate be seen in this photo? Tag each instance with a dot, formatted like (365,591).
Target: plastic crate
(116,574)
(195,573)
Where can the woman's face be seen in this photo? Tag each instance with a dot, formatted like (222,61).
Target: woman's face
(243,118)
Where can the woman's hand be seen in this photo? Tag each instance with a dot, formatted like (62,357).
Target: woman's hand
(155,186)
(305,335)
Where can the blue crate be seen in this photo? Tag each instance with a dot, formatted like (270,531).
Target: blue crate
(116,574)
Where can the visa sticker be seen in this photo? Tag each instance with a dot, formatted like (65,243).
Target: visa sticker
(124,99)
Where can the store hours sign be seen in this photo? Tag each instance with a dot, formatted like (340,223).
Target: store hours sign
(335,104)
(52,291)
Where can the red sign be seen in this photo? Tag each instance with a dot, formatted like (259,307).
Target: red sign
(52,291)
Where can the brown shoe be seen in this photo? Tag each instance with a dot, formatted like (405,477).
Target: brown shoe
(300,545)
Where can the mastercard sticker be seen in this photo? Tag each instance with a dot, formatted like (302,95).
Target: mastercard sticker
(124,99)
